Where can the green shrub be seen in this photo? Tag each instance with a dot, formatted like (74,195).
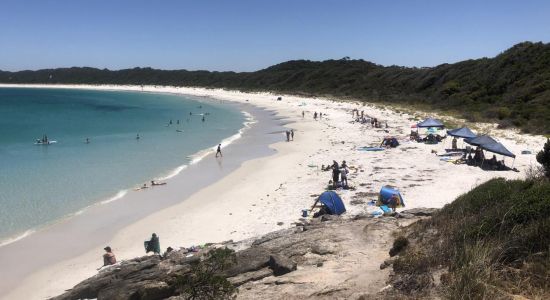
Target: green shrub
(543,157)
(205,280)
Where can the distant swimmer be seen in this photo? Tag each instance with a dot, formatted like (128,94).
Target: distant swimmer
(178,122)
(219,151)
(87,140)
(137,136)
(203,119)
(170,122)
(190,113)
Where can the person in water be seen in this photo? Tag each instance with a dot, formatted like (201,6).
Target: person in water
(219,150)
(108,258)
(203,119)
(87,140)
(153,245)
(137,136)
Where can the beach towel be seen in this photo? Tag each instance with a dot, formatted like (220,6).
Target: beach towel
(370,149)
(385,209)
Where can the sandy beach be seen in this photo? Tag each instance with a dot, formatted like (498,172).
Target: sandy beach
(268,193)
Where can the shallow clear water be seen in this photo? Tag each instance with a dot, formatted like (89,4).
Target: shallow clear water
(39,184)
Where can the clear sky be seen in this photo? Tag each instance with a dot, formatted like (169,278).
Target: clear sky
(247,35)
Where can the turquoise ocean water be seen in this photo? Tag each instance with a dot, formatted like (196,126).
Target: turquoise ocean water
(40,184)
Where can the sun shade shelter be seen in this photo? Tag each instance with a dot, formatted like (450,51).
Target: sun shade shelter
(481,140)
(489,144)
(463,132)
(429,122)
(498,148)
(332,202)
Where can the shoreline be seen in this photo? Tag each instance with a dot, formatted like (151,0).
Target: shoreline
(85,220)
(263,192)
(162,176)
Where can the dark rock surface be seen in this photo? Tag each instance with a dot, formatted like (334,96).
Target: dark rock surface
(267,267)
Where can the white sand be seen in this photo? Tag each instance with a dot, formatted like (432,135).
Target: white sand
(251,200)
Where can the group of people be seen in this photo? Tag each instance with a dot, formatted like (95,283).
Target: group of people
(363,119)
(339,174)
(152,245)
(315,115)
(290,135)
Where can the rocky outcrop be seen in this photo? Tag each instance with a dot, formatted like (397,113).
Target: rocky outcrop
(286,263)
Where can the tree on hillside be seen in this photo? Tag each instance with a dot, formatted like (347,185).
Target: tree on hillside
(543,157)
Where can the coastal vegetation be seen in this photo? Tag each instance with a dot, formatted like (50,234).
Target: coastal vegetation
(512,88)
(543,158)
(205,281)
(490,243)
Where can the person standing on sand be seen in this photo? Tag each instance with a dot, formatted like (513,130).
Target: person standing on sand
(344,174)
(292,134)
(219,151)
(108,258)
(335,173)
(303,114)
(287,136)
(315,116)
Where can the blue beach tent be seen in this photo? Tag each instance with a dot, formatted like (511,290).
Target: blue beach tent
(463,132)
(429,122)
(386,193)
(333,202)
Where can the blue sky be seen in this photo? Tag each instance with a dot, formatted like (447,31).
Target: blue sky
(247,35)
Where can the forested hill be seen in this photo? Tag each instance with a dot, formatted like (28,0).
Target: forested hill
(512,88)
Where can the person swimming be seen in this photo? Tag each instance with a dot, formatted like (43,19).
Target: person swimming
(137,136)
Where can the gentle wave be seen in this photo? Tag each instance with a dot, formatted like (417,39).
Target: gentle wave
(249,120)
(16,238)
(173,173)
(118,195)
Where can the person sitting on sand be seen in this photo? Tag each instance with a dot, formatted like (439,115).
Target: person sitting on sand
(454,143)
(109,257)
(493,161)
(394,202)
(153,245)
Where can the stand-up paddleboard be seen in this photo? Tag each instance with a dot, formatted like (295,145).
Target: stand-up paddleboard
(45,143)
